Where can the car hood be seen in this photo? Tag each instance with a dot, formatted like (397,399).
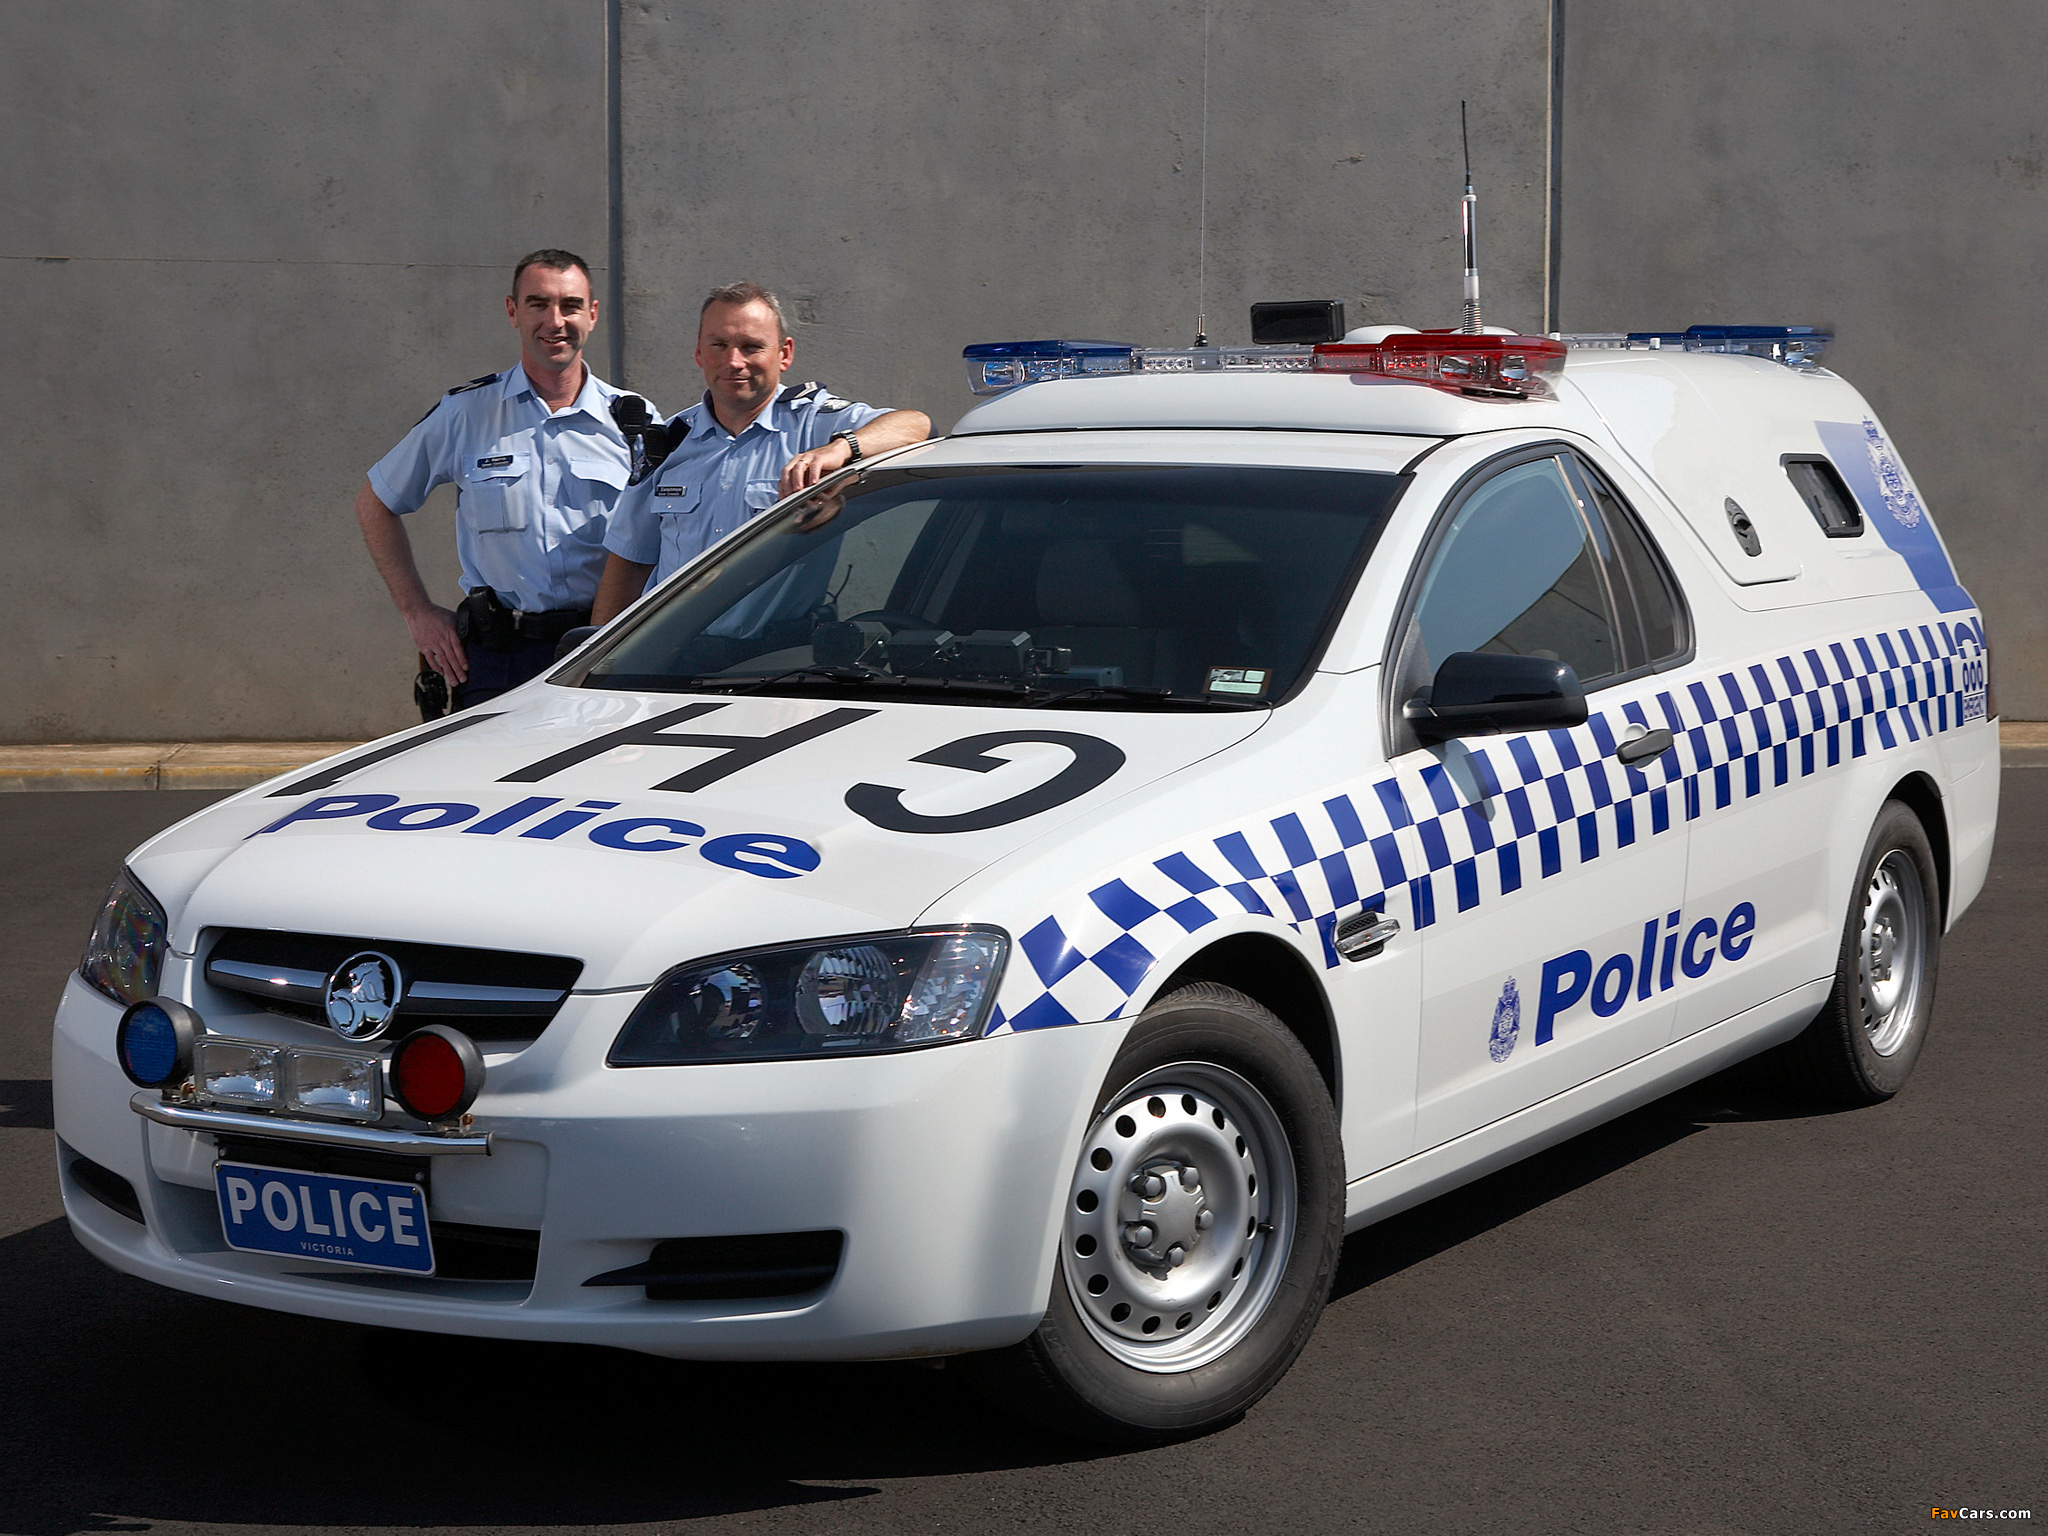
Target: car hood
(636,831)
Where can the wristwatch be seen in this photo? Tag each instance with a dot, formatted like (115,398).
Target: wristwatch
(852,446)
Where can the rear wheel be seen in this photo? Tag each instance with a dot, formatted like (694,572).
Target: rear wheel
(1861,1047)
(1201,1228)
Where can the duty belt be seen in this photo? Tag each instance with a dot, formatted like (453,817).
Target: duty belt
(549,626)
(484,621)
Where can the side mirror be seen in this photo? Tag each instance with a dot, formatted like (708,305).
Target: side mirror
(573,640)
(1480,693)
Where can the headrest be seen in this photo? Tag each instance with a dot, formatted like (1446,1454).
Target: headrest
(1080,585)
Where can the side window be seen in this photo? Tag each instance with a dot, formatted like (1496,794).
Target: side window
(1653,616)
(1518,571)
(1819,485)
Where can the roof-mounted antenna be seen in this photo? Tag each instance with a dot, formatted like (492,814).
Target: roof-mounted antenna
(1202,238)
(1470,214)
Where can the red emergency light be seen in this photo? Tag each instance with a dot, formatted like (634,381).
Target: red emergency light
(1504,367)
(436,1072)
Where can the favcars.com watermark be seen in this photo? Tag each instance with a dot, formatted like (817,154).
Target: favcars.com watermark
(1965,1513)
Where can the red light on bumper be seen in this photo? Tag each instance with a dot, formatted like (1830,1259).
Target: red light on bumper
(436,1072)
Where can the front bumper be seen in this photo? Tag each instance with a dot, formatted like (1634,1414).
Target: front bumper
(945,1168)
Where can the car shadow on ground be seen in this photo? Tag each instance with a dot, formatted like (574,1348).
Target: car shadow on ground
(1744,1092)
(127,1405)
(130,1404)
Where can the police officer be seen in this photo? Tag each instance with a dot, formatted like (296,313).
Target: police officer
(538,464)
(750,441)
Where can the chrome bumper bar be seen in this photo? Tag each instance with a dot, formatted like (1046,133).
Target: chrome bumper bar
(360,1138)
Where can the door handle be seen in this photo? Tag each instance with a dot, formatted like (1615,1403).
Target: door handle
(1648,745)
(1365,934)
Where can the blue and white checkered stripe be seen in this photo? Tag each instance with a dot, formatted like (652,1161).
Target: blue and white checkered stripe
(1416,844)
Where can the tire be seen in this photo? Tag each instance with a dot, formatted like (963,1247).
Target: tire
(1142,1344)
(1861,1046)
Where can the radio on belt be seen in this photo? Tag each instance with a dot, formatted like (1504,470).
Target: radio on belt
(1029,896)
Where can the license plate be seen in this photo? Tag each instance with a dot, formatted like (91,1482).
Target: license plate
(368,1223)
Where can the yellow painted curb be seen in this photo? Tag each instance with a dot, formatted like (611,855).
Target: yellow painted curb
(2023,743)
(157,765)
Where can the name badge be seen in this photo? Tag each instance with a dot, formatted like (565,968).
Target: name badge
(497,462)
(670,490)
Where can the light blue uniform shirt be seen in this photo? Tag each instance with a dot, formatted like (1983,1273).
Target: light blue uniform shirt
(533,490)
(714,481)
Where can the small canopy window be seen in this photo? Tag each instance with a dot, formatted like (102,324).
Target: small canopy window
(1820,486)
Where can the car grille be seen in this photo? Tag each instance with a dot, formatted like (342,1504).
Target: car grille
(490,994)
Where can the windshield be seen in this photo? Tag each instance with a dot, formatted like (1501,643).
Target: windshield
(1172,587)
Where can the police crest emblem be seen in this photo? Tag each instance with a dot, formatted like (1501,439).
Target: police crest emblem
(1898,496)
(1507,1022)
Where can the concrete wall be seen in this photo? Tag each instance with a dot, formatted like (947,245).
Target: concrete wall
(1878,168)
(250,241)
(939,174)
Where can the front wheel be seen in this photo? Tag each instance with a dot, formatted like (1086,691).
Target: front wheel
(1862,1045)
(1201,1229)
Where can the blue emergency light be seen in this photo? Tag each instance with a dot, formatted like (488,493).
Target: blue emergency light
(1796,346)
(153,1042)
(995,366)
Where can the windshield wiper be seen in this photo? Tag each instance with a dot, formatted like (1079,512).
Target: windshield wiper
(713,682)
(856,676)
(818,673)
(1109,693)
(861,677)
(982,687)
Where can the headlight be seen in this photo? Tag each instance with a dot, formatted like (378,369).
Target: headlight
(125,954)
(849,997)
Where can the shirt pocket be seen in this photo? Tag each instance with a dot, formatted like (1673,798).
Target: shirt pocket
(495,490)
(590,494)
(607,477)
(761,495)
(676,492)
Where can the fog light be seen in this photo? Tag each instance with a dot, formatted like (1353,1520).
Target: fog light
(154,1042)
(333,1083)
(436,1072)
(237,1072)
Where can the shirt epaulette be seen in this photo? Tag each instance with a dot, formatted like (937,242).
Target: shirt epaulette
(815,394)
(460,389)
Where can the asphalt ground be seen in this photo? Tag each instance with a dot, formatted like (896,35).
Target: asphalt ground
(1725,1312)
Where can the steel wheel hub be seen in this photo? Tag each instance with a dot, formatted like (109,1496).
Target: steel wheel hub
(1180,1217)
(1166,1215)
(1892,946)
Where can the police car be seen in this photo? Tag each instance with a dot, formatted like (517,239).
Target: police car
(1029,897)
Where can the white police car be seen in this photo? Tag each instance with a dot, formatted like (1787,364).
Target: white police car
(1028,898)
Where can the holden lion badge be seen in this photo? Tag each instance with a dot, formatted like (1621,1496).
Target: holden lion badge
(362,995)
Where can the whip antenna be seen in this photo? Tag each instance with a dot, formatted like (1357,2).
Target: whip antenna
(1202,235)
(1470,215)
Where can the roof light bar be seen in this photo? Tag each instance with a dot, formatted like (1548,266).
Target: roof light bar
(1508,367)
(1796,346)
